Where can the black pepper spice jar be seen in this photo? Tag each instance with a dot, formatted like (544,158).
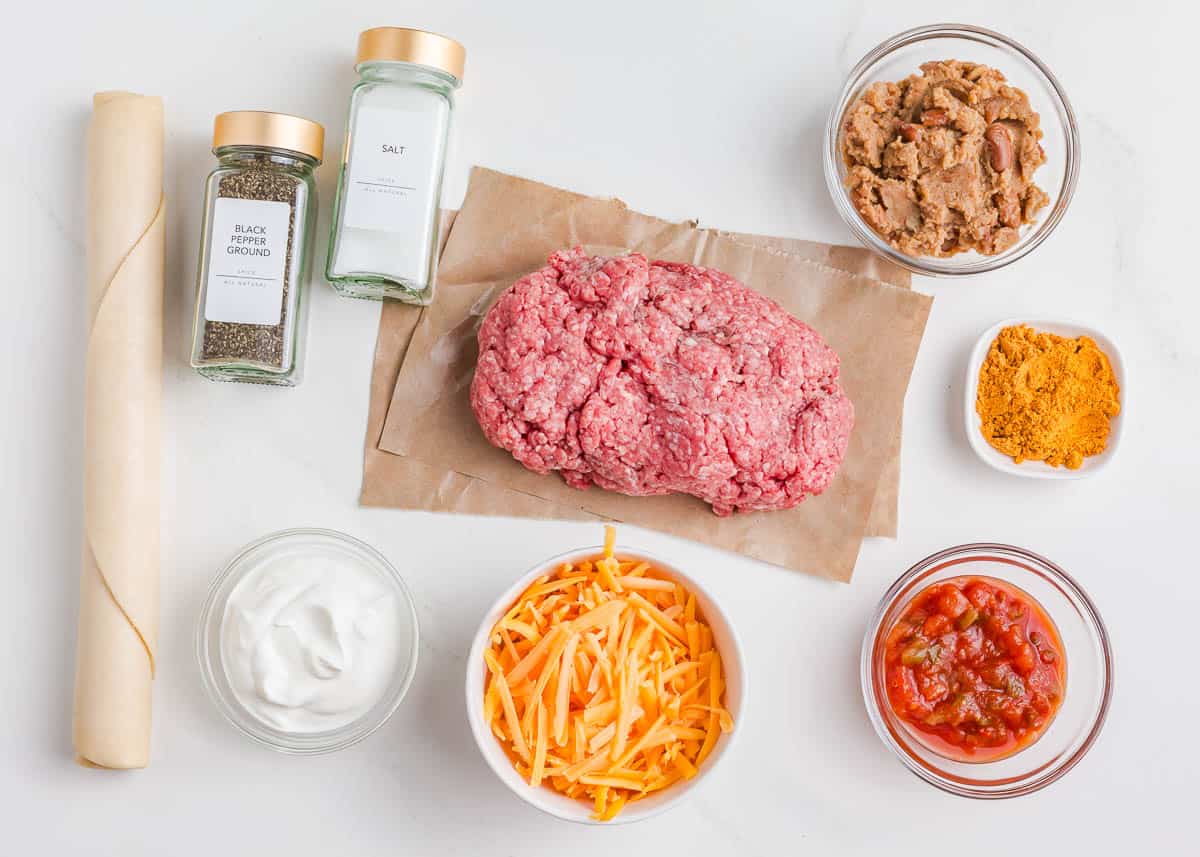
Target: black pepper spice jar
(259,217)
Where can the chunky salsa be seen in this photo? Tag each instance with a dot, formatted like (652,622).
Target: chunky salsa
(975,667)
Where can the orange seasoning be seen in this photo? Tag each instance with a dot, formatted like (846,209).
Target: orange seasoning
(604,682)
(1046,398)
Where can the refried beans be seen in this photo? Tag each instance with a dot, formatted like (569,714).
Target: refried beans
(943,161)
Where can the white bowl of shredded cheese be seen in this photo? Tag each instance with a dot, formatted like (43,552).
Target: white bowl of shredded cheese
(731,684)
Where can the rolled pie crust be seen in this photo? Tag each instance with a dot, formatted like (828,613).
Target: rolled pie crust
(118,609)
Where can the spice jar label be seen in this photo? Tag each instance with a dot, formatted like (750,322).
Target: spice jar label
(247,260)
(393,155)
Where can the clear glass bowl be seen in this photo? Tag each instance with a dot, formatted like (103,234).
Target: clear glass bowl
(902,55)
(1089,674)
(212,616)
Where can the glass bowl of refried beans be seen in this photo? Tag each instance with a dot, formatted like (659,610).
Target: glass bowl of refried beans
(951,150)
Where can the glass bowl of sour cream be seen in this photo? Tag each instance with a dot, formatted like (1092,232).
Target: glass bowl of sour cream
(307,641)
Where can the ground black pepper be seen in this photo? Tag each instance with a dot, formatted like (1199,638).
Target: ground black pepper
(257,343)
(255,248)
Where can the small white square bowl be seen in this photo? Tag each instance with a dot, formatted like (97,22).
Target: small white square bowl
(1092,464)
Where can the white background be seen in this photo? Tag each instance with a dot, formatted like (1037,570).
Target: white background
(708,110)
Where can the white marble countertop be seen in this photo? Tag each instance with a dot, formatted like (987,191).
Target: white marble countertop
(697,109)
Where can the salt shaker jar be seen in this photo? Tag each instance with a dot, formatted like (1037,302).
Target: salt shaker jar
(384,238)
(259,217)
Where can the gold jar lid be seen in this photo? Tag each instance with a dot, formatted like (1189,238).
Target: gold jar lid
(401,44)
(269,130)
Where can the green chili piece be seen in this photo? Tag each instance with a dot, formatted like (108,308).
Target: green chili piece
(914,655)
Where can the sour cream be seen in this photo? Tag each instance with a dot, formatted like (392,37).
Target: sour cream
(311,641)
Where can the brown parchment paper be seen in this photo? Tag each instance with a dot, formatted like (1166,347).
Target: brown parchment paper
(118,601)
(506,228)
(396,481)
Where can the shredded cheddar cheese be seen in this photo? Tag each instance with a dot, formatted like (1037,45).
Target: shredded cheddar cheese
(603,682)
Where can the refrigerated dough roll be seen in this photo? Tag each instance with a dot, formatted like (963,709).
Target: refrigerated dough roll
(118,609)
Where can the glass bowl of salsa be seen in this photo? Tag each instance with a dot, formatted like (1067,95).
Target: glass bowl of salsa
(987,670)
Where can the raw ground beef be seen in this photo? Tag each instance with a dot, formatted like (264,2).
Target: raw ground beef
(655,377)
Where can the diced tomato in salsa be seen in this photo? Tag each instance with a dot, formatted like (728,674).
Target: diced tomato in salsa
(975,667)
